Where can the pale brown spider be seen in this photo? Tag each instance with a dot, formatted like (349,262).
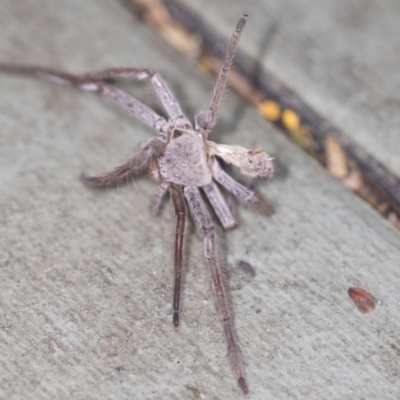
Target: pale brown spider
(185,163)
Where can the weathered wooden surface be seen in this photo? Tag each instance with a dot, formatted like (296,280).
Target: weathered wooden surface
(341,56)
(86,277)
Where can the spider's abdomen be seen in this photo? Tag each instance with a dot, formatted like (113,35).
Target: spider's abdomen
(185,161)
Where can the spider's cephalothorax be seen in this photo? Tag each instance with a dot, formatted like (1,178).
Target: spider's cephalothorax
(185,163)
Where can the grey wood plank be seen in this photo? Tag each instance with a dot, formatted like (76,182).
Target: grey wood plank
(86,278)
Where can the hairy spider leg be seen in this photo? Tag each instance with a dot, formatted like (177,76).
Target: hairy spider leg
(206,120)
(251,198)
(180,211)
(161,88)
(134,166)
(156,200)
(203,221)
(219,205)
(127,102)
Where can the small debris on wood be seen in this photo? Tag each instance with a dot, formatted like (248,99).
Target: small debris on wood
(154,12)
(354,181)
(394,219)
(291,120)
(336,160)
(270,109)
(240,275)
(363,299)
(247,268)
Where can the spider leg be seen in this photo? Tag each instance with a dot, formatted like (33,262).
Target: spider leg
(161,88)
(202,219)
(205,120)
(126,171)
(118,96)
(219,205)
(179,205)
(251,198)
(156,201)
(231,202)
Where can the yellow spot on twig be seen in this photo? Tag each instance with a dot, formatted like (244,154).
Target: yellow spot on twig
(270,110)
(290,120)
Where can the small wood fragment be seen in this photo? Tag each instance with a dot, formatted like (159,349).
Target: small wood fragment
(363,299)
(354,180)
(394,219)
(336,160)
(155,12)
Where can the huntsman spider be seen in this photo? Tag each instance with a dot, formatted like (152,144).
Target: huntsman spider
(185,163)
